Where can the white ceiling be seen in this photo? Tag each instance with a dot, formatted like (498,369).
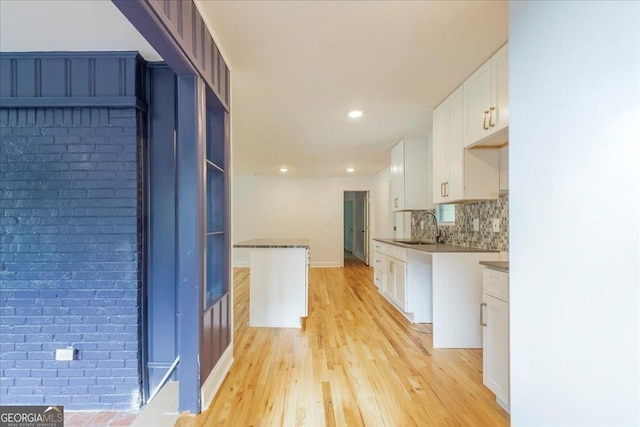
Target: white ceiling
(299,66)
(70,25)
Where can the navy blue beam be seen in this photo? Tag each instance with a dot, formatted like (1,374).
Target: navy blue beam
(142,15)
(178,33)
(190,236)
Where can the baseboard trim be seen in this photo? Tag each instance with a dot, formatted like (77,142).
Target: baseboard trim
(326,264)
(211,386)
(241,264)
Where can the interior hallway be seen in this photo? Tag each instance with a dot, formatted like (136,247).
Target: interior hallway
(350,258)
(357,363)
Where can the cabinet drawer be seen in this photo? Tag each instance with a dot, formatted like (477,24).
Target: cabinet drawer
(378,261)
(495,283)
(378,278)
(379,247)
(397,253)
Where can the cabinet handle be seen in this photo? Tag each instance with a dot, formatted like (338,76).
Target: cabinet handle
(484,120)
(492,122)
(446,189)
(482,322)
(442,189)
(395,202)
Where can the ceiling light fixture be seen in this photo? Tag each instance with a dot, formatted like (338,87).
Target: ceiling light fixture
(284,169)
(355,114)
(351,170)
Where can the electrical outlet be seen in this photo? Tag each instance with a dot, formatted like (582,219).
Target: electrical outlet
(65,354)
(496,225)
(476,224)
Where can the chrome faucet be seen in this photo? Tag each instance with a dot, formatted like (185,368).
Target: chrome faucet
(435,221)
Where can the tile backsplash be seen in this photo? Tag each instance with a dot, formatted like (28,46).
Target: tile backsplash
(462,233)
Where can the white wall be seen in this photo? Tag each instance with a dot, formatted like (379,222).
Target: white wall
(289,207)
(574,212)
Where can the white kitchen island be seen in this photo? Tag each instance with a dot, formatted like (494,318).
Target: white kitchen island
(279,271)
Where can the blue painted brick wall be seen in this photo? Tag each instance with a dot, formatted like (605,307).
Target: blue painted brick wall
(69,257)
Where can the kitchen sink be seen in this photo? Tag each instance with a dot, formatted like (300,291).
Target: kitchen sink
(415,242)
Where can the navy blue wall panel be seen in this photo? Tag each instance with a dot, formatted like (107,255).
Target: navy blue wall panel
(162,300)
(6,79)
(70,233)
(69,253)
(54,79)
(73,79)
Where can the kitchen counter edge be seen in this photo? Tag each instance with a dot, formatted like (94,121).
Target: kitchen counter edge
(273,243)
(433,248)
(497,265)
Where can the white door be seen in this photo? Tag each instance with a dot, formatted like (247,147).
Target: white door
(359,213)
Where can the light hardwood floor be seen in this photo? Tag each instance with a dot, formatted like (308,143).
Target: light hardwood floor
(356,363)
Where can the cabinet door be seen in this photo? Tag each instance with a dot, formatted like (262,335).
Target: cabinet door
(455,184)
(397,176)
(440,151)
(495,342)
(378,260)
(389,277)
(500,89)
(401,284)
(477,102)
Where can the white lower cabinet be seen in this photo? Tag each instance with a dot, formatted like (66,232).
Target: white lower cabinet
(495,334)
(411,297)
(378,266)
(395,281)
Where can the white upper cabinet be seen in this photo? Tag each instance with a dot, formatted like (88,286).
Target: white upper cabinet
(448,152)
(487,102)
(411,166)
(468,127)
(440,151)
(397,176)
(459,174)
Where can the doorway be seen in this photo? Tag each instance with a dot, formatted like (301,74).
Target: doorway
(356,226)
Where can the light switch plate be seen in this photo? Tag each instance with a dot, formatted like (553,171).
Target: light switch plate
(496,225)
(476,224)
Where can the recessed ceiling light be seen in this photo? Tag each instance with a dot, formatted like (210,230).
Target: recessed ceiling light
(284,169)
(351,170)
(355,114)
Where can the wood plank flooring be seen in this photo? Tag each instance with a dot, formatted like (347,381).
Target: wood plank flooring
(357,362)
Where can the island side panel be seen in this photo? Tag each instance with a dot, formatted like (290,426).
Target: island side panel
(420,286)
(277,287)
(457,295)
